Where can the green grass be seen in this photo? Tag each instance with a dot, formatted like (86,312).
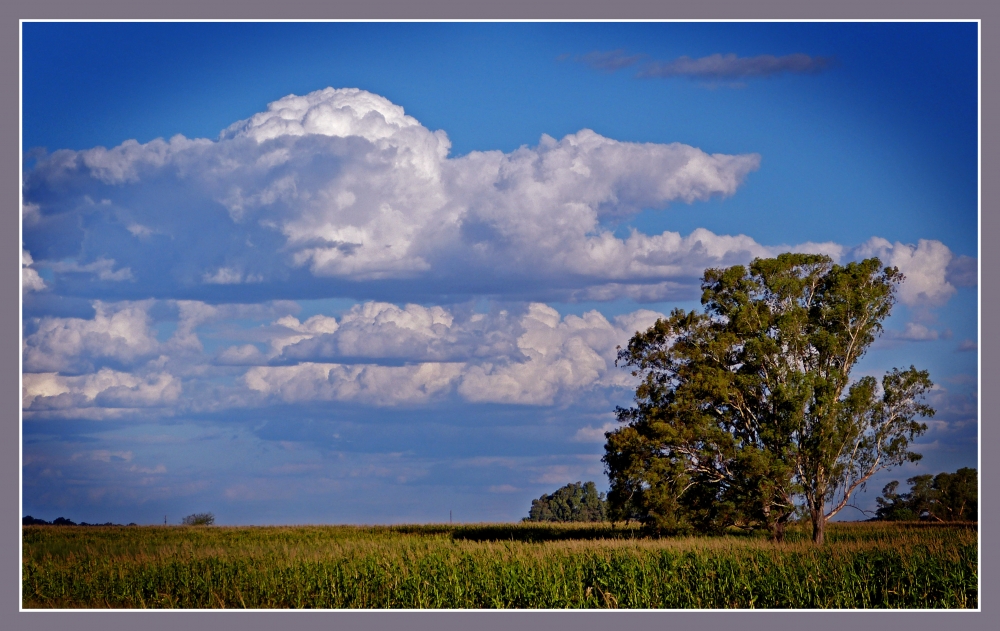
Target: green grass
(495,566)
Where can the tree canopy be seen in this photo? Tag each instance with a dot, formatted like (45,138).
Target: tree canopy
(573,502)
(941,497)
(747,409)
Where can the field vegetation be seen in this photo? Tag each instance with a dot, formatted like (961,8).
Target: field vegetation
(527,565)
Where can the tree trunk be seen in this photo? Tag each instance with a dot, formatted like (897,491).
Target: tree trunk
(778,526)
(819,525)
(778,531)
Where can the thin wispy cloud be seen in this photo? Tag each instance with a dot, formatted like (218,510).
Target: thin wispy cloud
(968,345)
(728,67)
(609,61)
(717,67)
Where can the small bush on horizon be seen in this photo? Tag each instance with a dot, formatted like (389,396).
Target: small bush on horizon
(199,519)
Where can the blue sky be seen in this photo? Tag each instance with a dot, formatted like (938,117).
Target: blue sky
(396,290)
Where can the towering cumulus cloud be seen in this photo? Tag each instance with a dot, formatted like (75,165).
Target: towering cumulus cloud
(340,192)
(340,185)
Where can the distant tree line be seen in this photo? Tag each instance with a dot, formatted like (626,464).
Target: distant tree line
(941,497)
(28,520)
(196,519)
(574,502)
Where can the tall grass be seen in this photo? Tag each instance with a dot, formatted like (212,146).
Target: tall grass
(495,566)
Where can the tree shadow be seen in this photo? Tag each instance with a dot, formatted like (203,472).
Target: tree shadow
(531,533)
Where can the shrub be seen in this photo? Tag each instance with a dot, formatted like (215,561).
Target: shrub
(199,519)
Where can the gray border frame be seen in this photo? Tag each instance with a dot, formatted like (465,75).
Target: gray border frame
(10,531)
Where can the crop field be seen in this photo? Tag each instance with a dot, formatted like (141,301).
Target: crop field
(862,565)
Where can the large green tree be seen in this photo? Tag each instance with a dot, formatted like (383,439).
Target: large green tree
(748,408)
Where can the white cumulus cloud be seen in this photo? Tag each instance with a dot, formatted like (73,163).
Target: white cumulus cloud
(383,331)
(915,332)
(118,331)
(30,280)
(563,355)
(591,434)
(106,389)
(539,357)
(925,266)
(340,192)
(342,184)
(376,385)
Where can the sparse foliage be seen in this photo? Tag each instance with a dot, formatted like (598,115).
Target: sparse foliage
(199,519)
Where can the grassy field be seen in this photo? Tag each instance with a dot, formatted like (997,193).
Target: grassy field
(863,565)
